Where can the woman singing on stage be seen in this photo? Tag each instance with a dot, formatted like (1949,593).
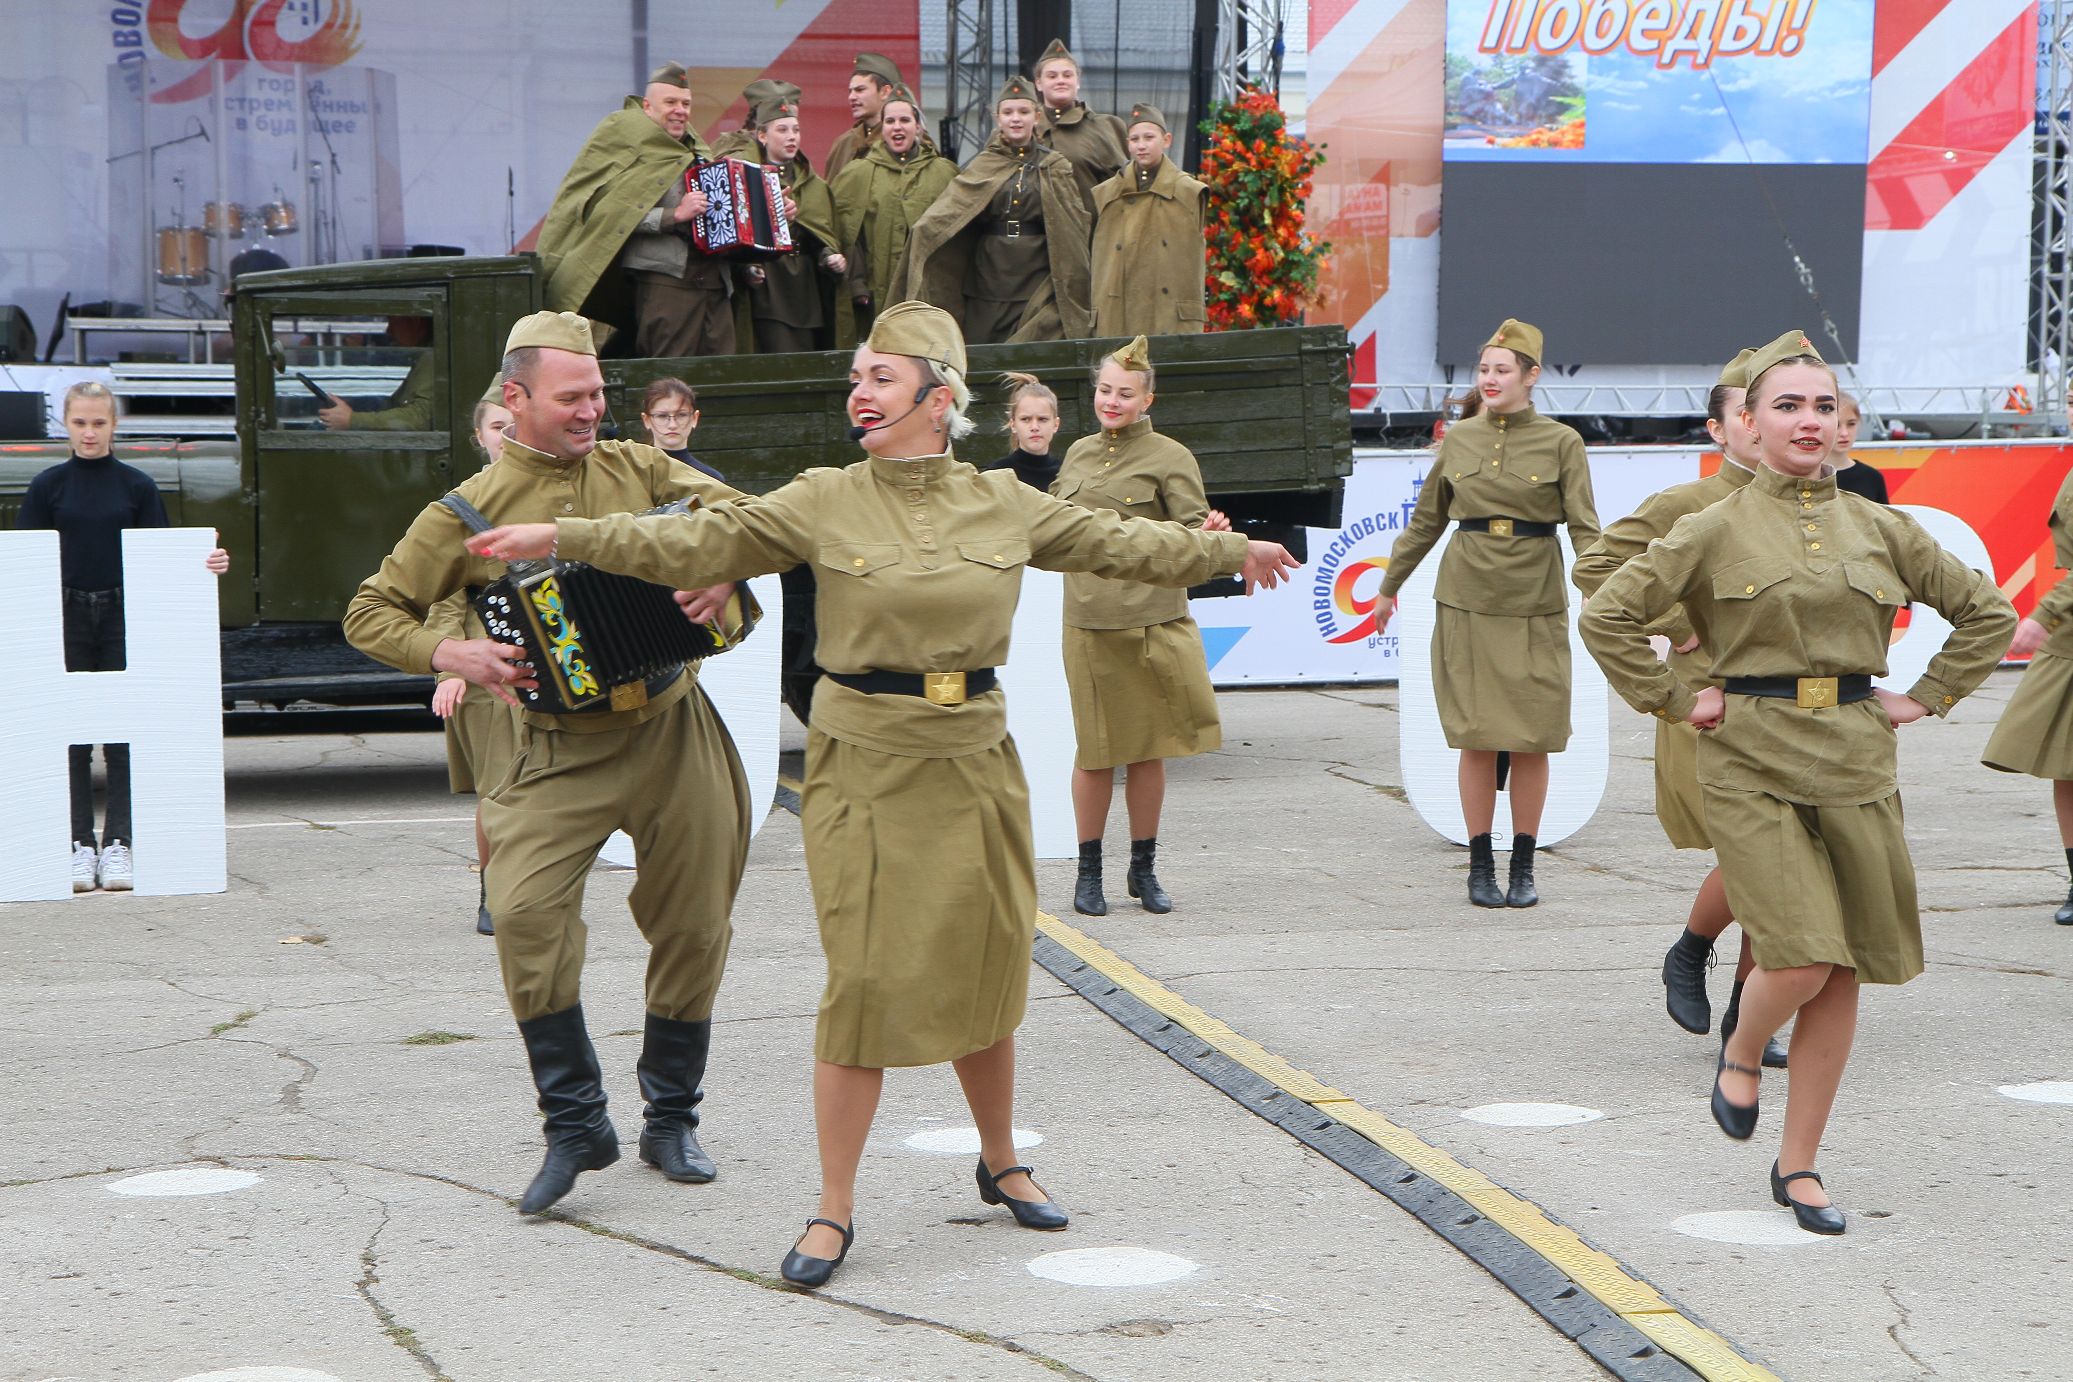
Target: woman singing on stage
(915,811)
(1500,642)
(1792,588)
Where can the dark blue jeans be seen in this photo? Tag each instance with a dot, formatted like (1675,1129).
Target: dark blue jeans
(94,643)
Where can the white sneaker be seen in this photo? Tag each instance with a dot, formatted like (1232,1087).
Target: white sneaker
(116,875)
(83,861)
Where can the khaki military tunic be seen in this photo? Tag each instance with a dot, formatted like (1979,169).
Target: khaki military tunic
(1097,144)
(411,408)
(1500,643)
(666,773)
(1148,253)
(1678,805)
(2035,732)
(1133,657)
(1009,257)
(1787,577)
(916,815)
(850,145)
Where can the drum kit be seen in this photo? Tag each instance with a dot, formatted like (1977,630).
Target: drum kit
(183,250)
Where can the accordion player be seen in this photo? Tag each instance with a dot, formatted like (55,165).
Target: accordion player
(597,640)
(745,210)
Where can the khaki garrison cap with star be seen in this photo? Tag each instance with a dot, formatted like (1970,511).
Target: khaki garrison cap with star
(1735,373)
(922,331)
(1136,357)
(1789,346)
(880,66)
(551,331)
(1519,336)
(1144,113)
(670,74)
(1055,53)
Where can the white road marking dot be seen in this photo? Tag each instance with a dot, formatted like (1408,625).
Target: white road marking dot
(191,1180)
(1531,1115)
(2042,1092)
(1112,1267)
(963,1141)
(1762,1228)
(263,1373)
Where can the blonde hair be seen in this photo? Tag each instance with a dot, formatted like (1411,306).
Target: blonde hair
(90,389)
(482,405)
(1023,386)
(943,376)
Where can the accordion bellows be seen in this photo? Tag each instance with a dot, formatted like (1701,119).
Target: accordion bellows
(745,210)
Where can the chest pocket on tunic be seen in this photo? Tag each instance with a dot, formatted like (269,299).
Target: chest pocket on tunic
(1876,583)
(1532,470)
(858,558)
(1002,554)
(1066,488)
(1749,580)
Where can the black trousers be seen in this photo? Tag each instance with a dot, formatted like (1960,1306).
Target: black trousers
(94,643)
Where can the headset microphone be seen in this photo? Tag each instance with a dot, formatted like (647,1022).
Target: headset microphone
(921,396)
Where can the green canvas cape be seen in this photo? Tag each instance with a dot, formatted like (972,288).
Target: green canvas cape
(816,217)
(877,201)
(940,248)
(622,171)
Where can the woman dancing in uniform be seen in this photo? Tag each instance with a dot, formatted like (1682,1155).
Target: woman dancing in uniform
(1792,588)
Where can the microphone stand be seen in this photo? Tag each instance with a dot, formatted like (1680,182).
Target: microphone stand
(327,215)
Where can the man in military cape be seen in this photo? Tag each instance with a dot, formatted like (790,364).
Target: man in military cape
(1005,248)
(1148,239)
(1093,141)
(878,198)
(615,217)
(874,78)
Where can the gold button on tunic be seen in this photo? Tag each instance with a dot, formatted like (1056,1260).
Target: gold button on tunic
(2035,732)
(1500,644)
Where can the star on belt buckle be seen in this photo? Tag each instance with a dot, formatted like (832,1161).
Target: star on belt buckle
(943,688)
(1817,693)
(1011,230)
(1500,527)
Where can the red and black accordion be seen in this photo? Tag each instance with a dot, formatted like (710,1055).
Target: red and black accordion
(745,210)
(597,640)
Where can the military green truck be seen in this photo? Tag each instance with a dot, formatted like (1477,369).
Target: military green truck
(308,512)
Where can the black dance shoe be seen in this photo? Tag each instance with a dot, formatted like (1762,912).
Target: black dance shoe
(1684,983)
(2064,915)
(813,1272)
(1086,894)
(1736,1120)
(483,925)
(1041,1214)
(1824,1218)
(1522,893)
(1482,873)
(1142,882)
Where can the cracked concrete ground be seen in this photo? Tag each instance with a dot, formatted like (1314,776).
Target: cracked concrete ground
(369,1074)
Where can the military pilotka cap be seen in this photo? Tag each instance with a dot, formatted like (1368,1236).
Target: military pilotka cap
(1146,114)
(1136,357)
(1055,53)
(878,65)
(769,88)
(1017,88)
(902,94)
(924,332)
(1517,335)
(670,74)
(1735,373)
(552,331)
(771,110)
(1791,345)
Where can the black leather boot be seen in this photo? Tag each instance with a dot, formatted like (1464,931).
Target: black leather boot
(1684,982)
(1086,894)
(1482,873)
(672,1067)
(1522,892)
(1774,1052)
(2064,915)
(572,1095)
(483,925)
(1142,882)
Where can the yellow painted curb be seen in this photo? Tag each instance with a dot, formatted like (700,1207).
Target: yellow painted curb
(1626,1295)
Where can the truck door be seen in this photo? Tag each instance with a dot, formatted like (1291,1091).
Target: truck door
(339,485)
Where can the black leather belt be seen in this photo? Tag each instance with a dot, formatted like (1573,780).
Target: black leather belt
(1507,527)
(655,686)
(939,688)
(1014,230)
(1810,693)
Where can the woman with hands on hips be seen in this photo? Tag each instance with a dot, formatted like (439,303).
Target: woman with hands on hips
(915,810)
(1793,588)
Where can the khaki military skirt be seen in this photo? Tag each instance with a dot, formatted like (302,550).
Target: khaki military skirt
(1502,681)
(1678,803)
(1819,884)
(1140,694)
(2035,732)
(924,876)
(481,736)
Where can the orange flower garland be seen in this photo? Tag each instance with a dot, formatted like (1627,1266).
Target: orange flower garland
(1262,267)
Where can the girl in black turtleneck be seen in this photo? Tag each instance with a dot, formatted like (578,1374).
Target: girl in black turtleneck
(1032,422)
(669,410)
(89,500)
